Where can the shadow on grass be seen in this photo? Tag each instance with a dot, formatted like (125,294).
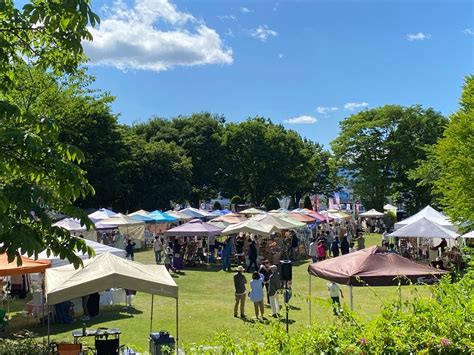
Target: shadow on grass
(283,320)
(111,314)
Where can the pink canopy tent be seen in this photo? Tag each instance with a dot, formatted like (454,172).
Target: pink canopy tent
(194,228)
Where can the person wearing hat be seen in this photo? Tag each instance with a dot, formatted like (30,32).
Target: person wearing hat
(274,286)
(240,291)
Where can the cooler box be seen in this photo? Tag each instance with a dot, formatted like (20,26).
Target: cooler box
(160,340)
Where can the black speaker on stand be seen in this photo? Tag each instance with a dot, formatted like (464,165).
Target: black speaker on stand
(286,274)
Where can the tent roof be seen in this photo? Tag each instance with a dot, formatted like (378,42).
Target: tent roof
(250,226)
(178,215)
(99,248)
(193,228)
(279,222)
(429,213)
(229,219)
(161,217)
(194,212)
(372,213)
(305,218)
(71,224)
(389,207)
(140,212)
(468,235)
(120,220)
(28,266)
(100,214)
(373,266)
(252,210)
(424,228)
(107,271)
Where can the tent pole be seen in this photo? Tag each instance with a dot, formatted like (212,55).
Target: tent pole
(351,297)
(310,298)
(177,325)
(48,324)
(151,313)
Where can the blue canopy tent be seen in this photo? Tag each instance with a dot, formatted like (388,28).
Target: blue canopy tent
(161,217)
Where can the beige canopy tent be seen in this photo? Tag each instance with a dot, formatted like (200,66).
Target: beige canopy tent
(279,222)
(109,271)
(134,228)
(250,226)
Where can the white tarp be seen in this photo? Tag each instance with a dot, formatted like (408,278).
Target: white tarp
(250,226)
(107,271)
(99,248)
(429,213)
(424,228)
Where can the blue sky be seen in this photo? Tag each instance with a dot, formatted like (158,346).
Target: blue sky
(314,62)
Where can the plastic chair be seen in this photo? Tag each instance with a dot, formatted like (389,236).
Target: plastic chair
(3,319)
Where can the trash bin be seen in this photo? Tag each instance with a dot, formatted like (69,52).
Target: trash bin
(160,340)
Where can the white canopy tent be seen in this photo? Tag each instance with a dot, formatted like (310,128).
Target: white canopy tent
(107,271)
(74,226)
(424,228)
(99,249)
(429,213)
(469,235)
(279,222)
(373,213)
(250,226)
(101,214)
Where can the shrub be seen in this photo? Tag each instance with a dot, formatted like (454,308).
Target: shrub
(22,343)
(217,206)
(236,200)
(307,203)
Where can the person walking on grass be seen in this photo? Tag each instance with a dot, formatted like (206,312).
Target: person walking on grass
(313,253)
(256,293)
(130,249)
(226,253)
(158,248)
(239,284)
(334,291)
(266,272)
(335,247)
(274,286)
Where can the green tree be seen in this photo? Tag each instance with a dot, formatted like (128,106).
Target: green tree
(84,118)
(376,149)
(38,173)
(200,136)
(450,164)
(255,159)
(157,173)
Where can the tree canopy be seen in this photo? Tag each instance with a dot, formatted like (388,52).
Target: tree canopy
(450,164)
(38,172)
(378,147)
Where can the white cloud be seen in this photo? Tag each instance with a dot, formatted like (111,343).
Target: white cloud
(281,55)
(469,32)
(420,36)
(305,119)
(263,32)
(128,38)
(245,10)
(351,106)
(227,18)
(326,110)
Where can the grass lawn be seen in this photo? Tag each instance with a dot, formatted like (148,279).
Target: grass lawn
(206,306)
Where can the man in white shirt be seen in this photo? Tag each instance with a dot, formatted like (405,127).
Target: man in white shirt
(158,248)
(334,291)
